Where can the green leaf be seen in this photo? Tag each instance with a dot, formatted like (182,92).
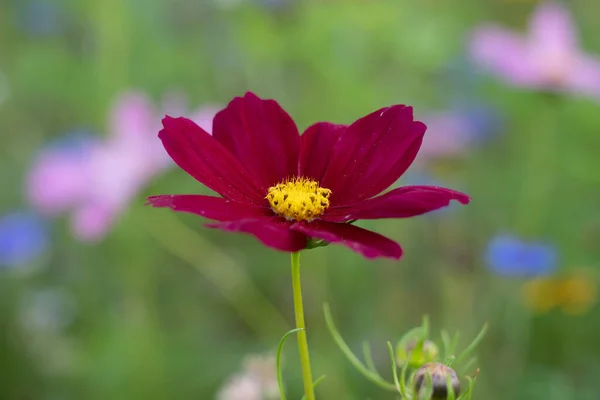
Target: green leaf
(473,344)
(469,392)
(368,357)
(316,383)
(279,373)
(360,367)
(394,368)
(451,395)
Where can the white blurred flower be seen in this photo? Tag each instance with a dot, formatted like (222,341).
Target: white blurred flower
(256,381)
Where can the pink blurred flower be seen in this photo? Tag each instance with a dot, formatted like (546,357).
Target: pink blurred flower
(447,136)
(97,180)
(548,58)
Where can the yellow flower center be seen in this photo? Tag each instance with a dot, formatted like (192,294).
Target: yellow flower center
(299,199)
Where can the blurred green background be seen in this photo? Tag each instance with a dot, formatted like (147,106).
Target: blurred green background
(161,307)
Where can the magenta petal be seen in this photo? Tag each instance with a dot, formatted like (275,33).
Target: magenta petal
(204,158)
(365,242)
(261,135)
(317,143)
(211,207)
(373,153)
(404,202)
(272,231)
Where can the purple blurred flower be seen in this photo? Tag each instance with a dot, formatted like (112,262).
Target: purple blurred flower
(447,136)
(96,180)
(548,58)
(23,238)
(451,133)
(508,255)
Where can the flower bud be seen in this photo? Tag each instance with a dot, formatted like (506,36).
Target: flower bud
(438,373)
(416,356)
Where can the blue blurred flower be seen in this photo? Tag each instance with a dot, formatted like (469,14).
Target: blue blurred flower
(510,256)
(276,5)
(462,75)
(23,237)
(482,121)
(76,140)
(40,17)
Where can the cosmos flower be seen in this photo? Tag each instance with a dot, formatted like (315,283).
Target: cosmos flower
(547,59)
(23,238)
(286,189)
(508,255)
(95,180)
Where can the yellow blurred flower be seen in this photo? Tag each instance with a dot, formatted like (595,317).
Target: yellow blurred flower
(574,294)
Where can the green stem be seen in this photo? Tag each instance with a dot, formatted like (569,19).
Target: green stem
(309,390)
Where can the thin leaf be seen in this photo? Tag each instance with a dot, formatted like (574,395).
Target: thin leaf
(468,365)
(467,395)
(454,343)
(369,357)
(474,343)
(449,388)
(446,341)
(394,368)
(403,378)
(360,367)
(279,372)
(316,383)
(425,326)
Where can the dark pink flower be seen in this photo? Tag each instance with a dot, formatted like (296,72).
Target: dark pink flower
(289,190)
(547,58)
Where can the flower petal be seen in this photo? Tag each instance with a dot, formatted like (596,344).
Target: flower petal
(365,242)
(262,136)
(211,207)
(272,231)
(552,30)
(132,117)
(404,202)
(92,221)
(204,158)
(316,146)
(373,153)
(504,54)
(58,180)
(585,76)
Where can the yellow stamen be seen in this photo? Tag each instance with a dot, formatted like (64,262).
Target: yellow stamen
(299,199)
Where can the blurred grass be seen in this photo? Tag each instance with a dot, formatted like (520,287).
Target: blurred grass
(167,309)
